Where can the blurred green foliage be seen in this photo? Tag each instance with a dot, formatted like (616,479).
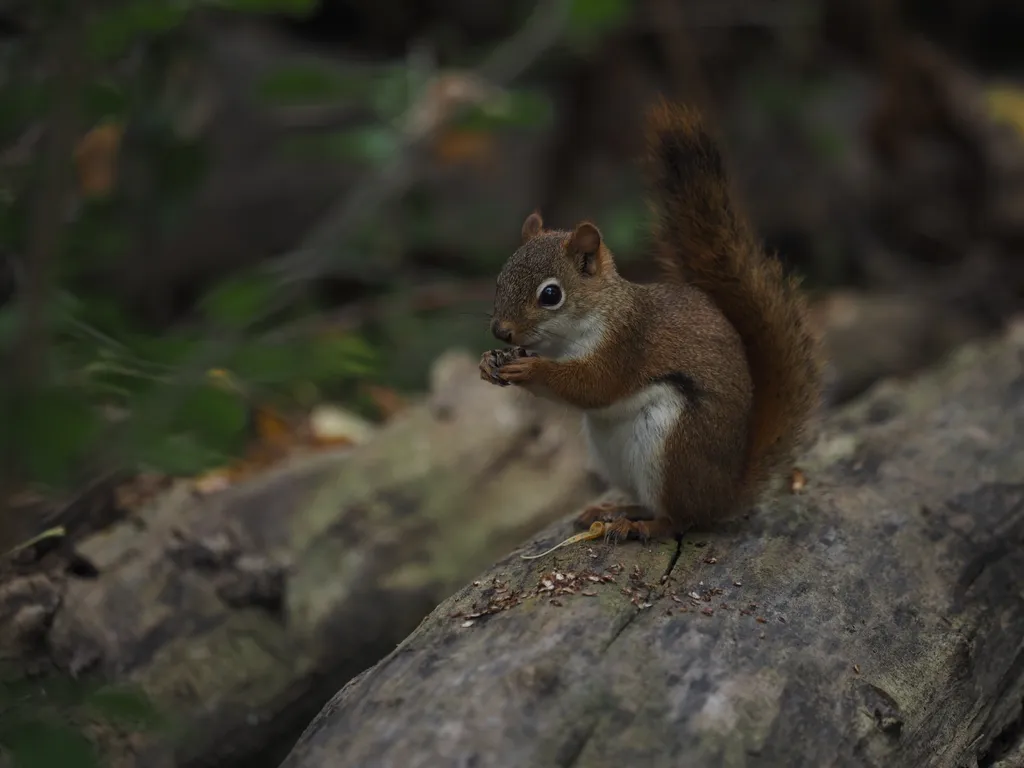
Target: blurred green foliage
(310,83)
(43,720)
(100,365)
(111,391)
(590,20)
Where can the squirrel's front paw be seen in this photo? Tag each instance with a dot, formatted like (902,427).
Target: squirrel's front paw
(489,366)
(520,371)
(495,361)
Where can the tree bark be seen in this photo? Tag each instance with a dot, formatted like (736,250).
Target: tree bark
(239,614)
(874,619)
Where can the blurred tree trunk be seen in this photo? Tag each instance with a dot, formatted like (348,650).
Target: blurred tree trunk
(52,193)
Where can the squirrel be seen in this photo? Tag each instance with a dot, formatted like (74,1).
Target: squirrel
(695,389)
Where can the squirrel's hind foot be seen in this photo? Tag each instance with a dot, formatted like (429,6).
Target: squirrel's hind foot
(623,528)
(625,521)
(609,511)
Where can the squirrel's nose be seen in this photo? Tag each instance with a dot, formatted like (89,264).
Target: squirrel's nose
(501,331)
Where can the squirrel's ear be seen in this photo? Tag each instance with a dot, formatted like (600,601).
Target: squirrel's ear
(586,243)
(532,226)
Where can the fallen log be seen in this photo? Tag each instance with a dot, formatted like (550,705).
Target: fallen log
(239,614)
(873,619)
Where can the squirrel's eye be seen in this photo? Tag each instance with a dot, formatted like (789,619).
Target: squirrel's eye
(550,296)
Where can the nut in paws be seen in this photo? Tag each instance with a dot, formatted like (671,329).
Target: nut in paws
(494,360)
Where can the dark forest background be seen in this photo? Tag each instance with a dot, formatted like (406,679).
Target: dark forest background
(231,227)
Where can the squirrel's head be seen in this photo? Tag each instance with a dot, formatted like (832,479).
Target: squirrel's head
(546,298)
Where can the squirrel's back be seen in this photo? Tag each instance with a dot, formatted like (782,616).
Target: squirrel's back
(704,241)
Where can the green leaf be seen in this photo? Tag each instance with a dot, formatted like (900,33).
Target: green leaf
(169,350)
(530,108)
(829,144)
(58,310)
(24,692)
(286,7)
(112,31)
(38,744)
(776,97)
(96,238)
(105,314)
(51,429)
(218,417)
(237,301)
(597,13)
(180,166)
(301,83)
(371,145)
(12,217)
(261,363)
(23,101)
(374,145)
(523,109)
(589,20)
(337,357)
(624,226)
(124,705)
(389,94)
(10,324)
(179,454)
(103,99)
(318,360)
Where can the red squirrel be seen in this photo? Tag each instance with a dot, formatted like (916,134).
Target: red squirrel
(696,389)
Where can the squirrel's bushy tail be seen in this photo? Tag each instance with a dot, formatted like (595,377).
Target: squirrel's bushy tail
(705,241)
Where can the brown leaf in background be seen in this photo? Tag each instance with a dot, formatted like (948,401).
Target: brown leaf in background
(277,436)
(274,437)
(96,159)
(274,433)
(456,145)
(386,400)
(797,480)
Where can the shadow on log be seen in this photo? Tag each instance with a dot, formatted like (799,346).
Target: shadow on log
(873,620)
(239,614)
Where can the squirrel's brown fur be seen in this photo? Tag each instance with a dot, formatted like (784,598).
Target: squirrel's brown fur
(705,242)
(696,389)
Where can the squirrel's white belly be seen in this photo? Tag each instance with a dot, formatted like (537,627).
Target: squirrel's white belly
(627,441)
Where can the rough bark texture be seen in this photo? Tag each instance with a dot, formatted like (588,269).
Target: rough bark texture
(240,614)
(875,619)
